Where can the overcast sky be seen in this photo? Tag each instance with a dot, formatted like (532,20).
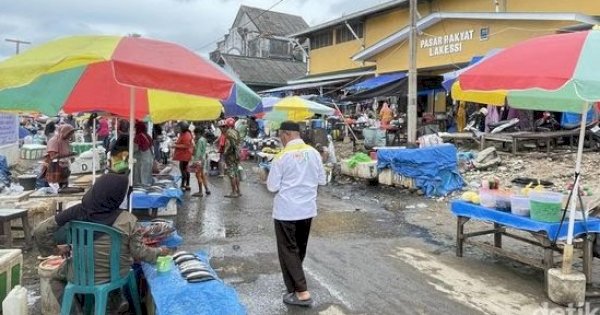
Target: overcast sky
(196,24)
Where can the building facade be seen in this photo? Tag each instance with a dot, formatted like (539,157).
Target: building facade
(259,38)
(451,32)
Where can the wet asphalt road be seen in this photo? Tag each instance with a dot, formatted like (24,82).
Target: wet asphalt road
(351,266)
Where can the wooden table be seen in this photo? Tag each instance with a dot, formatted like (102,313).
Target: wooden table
(59,199)
(549,138)
(541,233)
(6,216)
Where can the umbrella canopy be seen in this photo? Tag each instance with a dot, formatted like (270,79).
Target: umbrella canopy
(96,73)
(242,101)
(293,108)
(554,73)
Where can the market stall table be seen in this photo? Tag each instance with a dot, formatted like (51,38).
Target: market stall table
(6,216)
(60,199)
(155,201)
(172,294)
(543,234)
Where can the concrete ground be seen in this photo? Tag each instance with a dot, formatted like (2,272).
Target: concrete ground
(372,250)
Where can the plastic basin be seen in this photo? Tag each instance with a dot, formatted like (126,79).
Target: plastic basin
(545,206)
(519,205)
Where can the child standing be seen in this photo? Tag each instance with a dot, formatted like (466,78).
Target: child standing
(165,147)
(199,161)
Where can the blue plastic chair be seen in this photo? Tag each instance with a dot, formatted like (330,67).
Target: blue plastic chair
(81,238)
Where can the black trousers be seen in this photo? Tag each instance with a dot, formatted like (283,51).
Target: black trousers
(185,175)
(292,238)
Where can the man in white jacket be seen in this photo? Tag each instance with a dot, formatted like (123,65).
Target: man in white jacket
(295,175)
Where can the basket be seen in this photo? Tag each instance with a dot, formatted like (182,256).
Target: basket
(545,206)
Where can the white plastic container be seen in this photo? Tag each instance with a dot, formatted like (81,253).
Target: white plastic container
(519,205)
(11,270)
(487,198)
(15,302)
(346,169)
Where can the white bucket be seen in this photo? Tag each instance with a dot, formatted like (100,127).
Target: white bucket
(15,302)
(46,270)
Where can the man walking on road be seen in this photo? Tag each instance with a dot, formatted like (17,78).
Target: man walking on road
(295,175)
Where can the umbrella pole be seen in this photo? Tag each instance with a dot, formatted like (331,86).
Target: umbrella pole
(94,137)
(568,250)
(131,134)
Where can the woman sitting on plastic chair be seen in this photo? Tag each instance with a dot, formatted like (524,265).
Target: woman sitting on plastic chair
(102,204)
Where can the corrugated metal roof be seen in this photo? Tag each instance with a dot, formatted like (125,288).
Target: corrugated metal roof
(264,71)
(274,23)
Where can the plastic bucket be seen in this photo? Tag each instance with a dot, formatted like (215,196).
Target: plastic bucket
(373,155)
(27,181)
(487,198)
(519,205)
(545,206)
(46,271)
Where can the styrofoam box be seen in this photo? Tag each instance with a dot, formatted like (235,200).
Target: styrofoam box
(347,170)
(389,178)
(169,210)
(366,170)
(11,270)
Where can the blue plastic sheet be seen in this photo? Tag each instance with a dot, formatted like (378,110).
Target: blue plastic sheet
(146,201)
(374,82)
(434,169)
(469,210)
(572,120)
(173,295)
(4,172)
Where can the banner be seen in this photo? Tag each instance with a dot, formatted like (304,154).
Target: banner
(9,129)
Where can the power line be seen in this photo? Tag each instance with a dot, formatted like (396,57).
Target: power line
(17,43)
(251,20)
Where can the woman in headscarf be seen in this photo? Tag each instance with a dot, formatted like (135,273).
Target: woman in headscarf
(142,153)
(58,157)
(184,147)
(101,204)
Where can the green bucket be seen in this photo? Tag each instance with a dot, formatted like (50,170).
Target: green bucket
(546,206)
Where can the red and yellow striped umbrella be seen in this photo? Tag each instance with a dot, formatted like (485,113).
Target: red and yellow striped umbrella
(108,73)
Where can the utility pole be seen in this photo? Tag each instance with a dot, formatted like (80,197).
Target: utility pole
(411,112)
(18,43)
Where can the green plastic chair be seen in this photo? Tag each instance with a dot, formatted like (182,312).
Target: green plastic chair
(81,238)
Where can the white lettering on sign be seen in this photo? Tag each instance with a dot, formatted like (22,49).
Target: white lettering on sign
(447,44)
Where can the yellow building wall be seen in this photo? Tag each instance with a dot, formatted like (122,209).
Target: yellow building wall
(335,58)
(501,35)
(589,7)
(338,56)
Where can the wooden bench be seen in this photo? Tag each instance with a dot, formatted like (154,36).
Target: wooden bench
(549,138)
(6,216)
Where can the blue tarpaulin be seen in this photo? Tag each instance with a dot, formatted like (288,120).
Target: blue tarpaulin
(469,210)
(572,120)
(374,82)
(173,295)
(434,169)
(149,201)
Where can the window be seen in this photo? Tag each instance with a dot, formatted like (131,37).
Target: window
(321,39)
(279,48)
(484,33)
(343,34)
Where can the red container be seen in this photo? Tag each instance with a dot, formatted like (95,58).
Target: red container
(373,155)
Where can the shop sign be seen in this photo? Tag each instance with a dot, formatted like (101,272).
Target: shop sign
(447,44)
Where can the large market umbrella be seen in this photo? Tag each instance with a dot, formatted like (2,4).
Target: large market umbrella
(293,108)
(242,102)
(554,73)
(127,76)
